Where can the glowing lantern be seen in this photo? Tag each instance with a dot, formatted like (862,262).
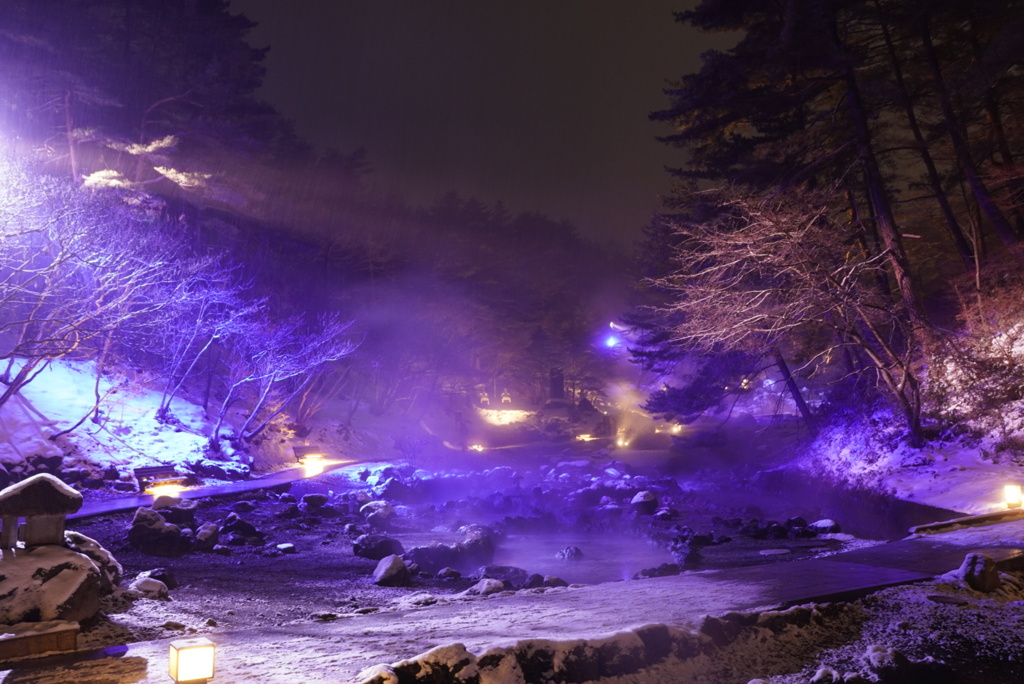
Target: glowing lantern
(1012,495)
(311,458)
(191,660)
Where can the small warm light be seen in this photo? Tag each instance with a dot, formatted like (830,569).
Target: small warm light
(313,465)
(676,429)
(622,443)
(165,490)
(477,447)
(191,660)
(1012,495)
(585,438)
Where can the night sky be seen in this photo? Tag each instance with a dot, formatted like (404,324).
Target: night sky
(541,104)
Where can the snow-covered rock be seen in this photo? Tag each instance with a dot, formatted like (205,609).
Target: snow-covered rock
(48,583)
(111,571)
(207,536)
(151,533)
(150,587)
(485,587)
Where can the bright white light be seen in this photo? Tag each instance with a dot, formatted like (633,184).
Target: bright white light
(191,660)
(503,416)
(1012,495)
(611,341)
(477,447)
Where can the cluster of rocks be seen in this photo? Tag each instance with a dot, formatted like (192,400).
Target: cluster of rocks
(793,528)
(170,529)
(74,474)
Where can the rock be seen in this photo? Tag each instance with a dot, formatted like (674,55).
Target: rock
(391,571)
(286,548)
(533,581)
(663,570)
(314,501)
(383,508)
(795,522)
(111,571)
(979,572)
(379,520)
(149,587)
(432,558)
(485,587)
(510,575)
(151,533)
(644,503)
(173,626)
(552,581)
(237,526)
(290,512)
(448,574)
(48,582)
(181,513)
(570,553)
(73,475)
(207,536)
(824,526)
(162,574)
(243,507)
(376,546)
(220,470)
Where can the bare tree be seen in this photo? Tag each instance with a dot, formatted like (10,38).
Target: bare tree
(75,268)
(270,363)
(765,274)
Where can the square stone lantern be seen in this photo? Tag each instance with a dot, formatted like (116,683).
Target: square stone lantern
(44,502)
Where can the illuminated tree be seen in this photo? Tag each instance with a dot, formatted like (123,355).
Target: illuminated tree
(268,363)
(77,269)
(760,275)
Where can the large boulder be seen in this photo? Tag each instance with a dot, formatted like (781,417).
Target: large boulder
(48,582)
(391,571)
(151,533)
(376,546)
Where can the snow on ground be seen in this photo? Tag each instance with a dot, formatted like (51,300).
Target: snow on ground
(127,434)
(936,620)
(965,474)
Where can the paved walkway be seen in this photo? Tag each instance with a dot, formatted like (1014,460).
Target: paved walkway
(280,477)
(337,651)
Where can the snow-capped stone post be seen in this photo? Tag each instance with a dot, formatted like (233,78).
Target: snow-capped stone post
(45,502)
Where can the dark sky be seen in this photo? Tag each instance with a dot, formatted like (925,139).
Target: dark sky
(542,104)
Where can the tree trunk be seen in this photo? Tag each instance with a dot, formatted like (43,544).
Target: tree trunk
(794,390)
(956,233)
(979,191)
(885,221)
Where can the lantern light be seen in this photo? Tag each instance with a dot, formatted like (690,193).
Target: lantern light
(1013,496)
(191,660)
